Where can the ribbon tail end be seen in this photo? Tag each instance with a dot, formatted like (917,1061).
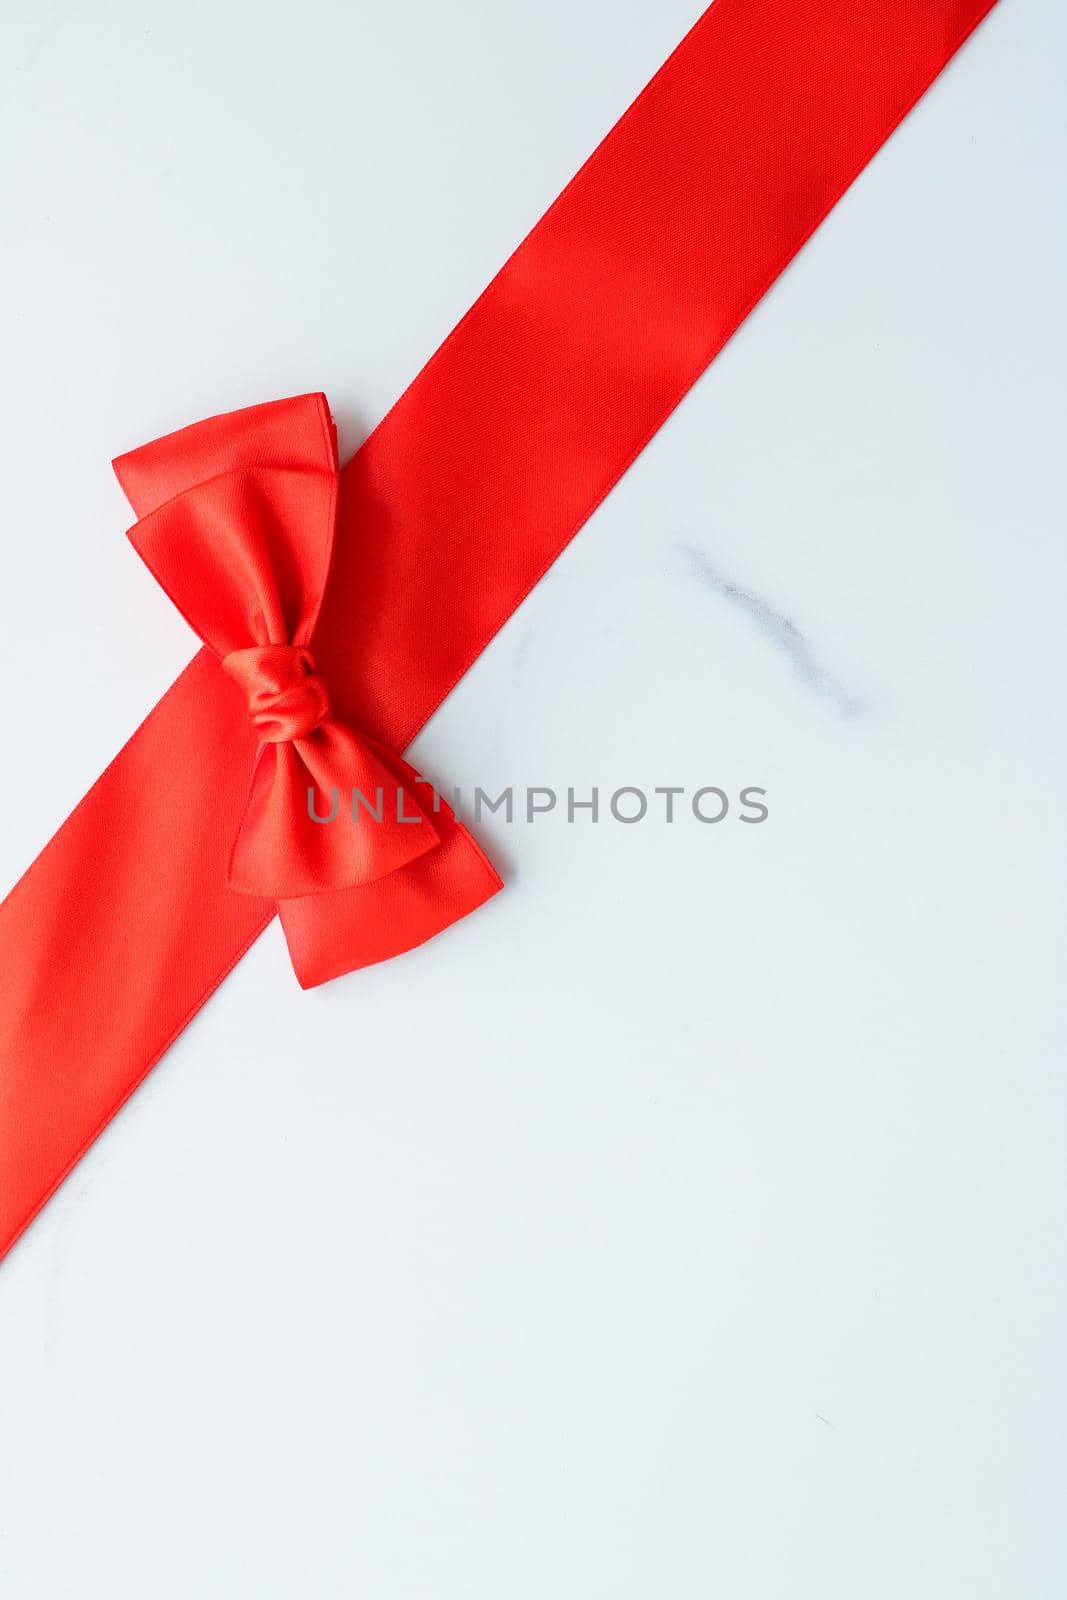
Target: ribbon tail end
(329,935)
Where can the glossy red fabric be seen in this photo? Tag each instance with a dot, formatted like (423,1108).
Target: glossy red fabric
(245,556)
(451,511)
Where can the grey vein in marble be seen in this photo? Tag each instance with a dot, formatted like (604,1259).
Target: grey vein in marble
(780,629)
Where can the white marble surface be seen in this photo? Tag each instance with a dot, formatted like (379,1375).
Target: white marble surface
(690,1221)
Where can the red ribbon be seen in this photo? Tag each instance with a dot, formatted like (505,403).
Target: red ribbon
(502,447)
(244,553)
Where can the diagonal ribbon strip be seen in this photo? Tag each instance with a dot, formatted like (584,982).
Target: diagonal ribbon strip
(502,447)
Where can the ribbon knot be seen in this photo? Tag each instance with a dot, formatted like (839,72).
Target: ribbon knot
(287,699)
(238,527)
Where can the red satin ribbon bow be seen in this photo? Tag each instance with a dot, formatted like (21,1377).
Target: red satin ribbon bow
(450,512)
(240,535)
